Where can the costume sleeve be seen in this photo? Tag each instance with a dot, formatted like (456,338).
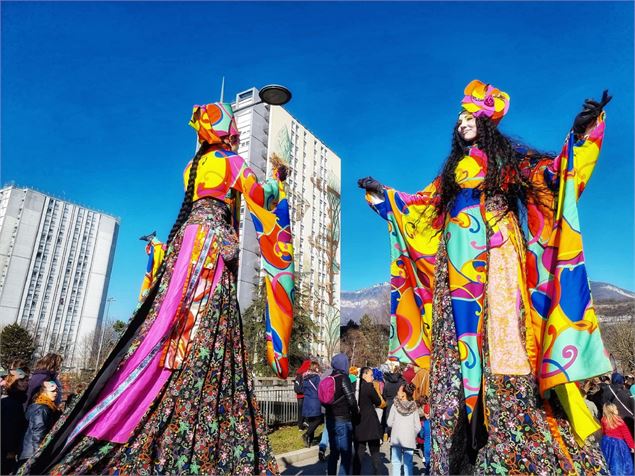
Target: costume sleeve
(414,233)
(417,422)
(269,210)
(586,149)
(266,195)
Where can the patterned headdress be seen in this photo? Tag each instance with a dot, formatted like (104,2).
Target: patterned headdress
(485,100)
(214,121)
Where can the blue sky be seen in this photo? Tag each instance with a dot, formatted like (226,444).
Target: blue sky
(96,98)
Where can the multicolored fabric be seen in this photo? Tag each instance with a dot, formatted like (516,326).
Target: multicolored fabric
(527,434)
(205,418)
(218,173)
(214,121)
(155,250)
(485,100)
(563,342)
(566,346)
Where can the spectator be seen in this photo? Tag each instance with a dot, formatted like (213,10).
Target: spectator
(339,416)
(409,373)
(324,441)
(425,435)
(392,382)
(311,408)
(616,442)
(47,368)
(421,381)
(617,394)
(40,415)
(12,419)
(298,389)
(404,421)
(368,429)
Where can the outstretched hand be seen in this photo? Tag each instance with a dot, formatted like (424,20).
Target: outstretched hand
(282,172)
(591,110)
(370,185)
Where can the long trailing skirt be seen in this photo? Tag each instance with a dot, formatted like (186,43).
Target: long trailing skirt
(176,394)
(525,434)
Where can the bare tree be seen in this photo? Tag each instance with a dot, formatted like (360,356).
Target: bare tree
(619,339)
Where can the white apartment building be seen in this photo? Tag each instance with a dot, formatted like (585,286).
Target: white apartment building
(314,194)
(55,263)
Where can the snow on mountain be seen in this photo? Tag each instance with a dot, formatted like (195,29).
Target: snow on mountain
(610,302)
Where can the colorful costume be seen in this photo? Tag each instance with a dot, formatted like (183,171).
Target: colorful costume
(176,394)
(502,315)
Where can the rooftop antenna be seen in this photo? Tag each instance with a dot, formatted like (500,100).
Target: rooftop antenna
(222,89)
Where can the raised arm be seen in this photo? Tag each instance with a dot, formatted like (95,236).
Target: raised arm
(583,144)
(265,195)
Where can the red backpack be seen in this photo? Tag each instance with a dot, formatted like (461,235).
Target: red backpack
(326,390)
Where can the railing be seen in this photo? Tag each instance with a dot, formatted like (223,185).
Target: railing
(278,405)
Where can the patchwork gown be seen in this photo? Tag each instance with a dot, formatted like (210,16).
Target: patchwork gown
(176,394)
(484,302)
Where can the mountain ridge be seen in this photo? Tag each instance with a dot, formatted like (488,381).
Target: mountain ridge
(611,302)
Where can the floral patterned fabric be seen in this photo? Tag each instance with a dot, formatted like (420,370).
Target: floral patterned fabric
(526,434)
(205,419)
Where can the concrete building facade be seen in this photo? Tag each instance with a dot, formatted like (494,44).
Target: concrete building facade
(314,194)
(55,264)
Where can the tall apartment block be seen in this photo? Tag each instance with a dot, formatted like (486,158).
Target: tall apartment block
(314,194)
(55,263)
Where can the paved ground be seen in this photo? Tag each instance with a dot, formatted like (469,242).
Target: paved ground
(312,465)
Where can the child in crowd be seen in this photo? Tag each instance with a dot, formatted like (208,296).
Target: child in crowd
(616,442)
(40,415)
(403,419)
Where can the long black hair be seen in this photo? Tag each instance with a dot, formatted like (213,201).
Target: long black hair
(503,176)
(186,205)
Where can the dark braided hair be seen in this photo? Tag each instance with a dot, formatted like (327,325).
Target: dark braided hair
(186,205)
(503,168)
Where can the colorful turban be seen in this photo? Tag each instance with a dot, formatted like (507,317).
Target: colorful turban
(213,122)
(485,100)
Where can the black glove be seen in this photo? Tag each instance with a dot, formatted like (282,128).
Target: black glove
(371,185)
(591,110)
(283,171)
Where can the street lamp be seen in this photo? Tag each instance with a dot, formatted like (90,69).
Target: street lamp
(272,94)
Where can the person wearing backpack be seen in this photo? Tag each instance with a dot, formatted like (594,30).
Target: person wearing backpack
(298,388)
(336,394)
(311,408)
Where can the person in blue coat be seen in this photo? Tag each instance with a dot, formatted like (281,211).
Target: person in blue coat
(311,408)
(40,415)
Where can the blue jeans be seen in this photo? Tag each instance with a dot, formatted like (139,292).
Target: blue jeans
(399,455)
(340,434)
(324,442)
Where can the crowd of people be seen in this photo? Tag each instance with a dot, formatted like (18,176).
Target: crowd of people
(389,404)
(365,408)
(32,400)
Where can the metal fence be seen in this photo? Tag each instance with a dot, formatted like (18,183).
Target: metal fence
(278,405)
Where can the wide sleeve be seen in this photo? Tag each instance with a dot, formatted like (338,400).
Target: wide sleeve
(563,335)
(265,195)
(576,161)
(414,233)
(269,210)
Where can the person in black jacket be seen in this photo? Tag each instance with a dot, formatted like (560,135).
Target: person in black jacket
(339,417)
(368,430)
(41,414)
(393,381)
(12,420)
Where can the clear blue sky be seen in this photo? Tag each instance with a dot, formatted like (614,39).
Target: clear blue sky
(96,98)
